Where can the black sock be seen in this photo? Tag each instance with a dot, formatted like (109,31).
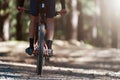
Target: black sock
(49,44)
(31,41)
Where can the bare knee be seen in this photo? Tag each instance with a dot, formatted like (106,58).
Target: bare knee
(50,20)
(33,19)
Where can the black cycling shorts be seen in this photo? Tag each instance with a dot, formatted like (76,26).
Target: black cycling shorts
(50,8)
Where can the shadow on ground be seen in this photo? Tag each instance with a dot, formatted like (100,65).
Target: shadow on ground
(86,59)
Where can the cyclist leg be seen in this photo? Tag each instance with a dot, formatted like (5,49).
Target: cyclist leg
(33,19)
(50,23)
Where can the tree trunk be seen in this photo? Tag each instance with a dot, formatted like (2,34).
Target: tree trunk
(18,27)
(19,35)
(80,23)
(115,18)
(3,17)
(6,29)
(106,23)
(73,21)
(1,28)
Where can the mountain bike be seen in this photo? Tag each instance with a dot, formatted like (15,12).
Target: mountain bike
(41,47)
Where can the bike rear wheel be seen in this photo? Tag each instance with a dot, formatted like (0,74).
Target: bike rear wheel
(41,49)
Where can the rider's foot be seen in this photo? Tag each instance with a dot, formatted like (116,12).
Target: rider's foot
(50,52)
(29,50)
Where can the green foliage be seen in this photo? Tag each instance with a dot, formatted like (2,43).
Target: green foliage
(13,11)
(88,10)
(88,6)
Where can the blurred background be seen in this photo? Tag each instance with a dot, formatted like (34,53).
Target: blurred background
(94,22)
(92,25)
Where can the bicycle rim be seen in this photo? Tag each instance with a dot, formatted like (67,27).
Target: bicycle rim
(40,50)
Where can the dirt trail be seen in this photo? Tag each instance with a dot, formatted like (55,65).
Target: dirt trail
(83,62)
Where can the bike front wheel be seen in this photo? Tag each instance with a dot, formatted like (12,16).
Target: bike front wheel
(41,49)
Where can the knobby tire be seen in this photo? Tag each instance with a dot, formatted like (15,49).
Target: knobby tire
(40,50)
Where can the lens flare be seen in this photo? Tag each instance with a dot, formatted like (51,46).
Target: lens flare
(116,4)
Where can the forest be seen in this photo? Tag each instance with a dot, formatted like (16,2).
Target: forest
(94,22)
